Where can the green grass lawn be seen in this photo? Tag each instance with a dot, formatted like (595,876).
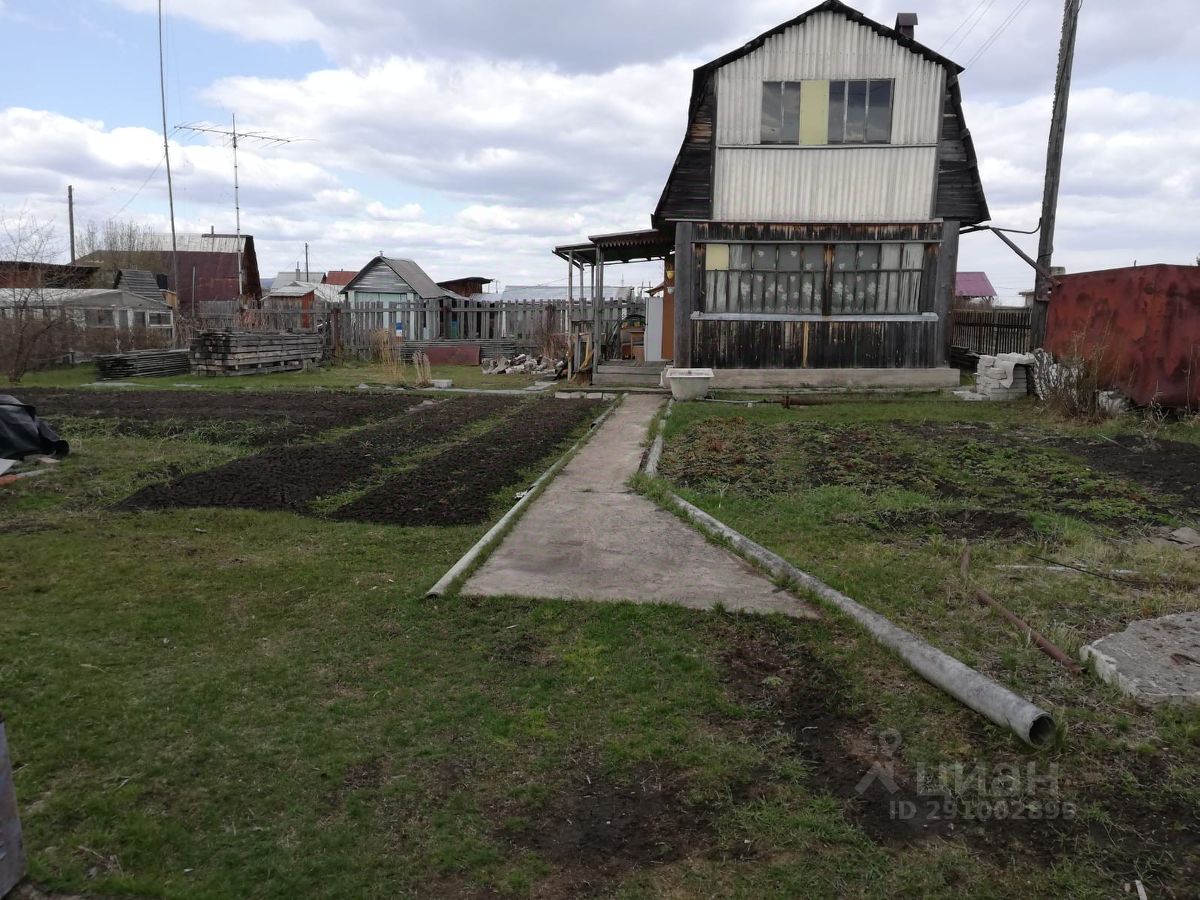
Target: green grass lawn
(347,375)
(228,703)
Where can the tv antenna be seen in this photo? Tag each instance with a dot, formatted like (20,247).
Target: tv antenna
(234,135)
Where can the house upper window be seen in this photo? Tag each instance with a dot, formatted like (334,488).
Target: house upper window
(860,112)
(827,112)
(781,112)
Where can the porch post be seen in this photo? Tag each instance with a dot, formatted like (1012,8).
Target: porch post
(943,300)
(570,313)
(685,293)
(597,311)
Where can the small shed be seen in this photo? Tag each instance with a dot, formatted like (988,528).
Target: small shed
(1142,323)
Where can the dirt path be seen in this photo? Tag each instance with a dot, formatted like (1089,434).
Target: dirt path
(589,537)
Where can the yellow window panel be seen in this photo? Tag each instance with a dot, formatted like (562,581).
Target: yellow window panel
(814,112)
(716,257)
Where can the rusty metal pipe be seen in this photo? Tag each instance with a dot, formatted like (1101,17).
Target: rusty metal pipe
(1045,645)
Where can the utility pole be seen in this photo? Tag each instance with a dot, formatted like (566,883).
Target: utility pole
(306,276)
(1054,155)
(71,218)
(162,92)
(234,135)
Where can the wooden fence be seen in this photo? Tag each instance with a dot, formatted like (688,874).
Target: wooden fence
(990,331)
(351,331)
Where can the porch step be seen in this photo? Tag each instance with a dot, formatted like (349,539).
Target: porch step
(628,372)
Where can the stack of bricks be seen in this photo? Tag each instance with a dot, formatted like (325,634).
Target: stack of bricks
(992,378)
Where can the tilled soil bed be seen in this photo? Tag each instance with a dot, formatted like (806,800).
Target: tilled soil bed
(291,477)
(457,486)
(278,416)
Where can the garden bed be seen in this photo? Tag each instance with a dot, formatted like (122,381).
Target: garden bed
(293,476)
(457,486)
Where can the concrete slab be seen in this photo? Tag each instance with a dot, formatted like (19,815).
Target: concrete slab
(1155,661)
(848,379)
(589,537)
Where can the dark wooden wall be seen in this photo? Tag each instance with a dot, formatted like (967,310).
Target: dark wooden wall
(689,189)
(959,190)
(815,344)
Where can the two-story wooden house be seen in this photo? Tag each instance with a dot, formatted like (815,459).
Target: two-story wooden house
(810,221)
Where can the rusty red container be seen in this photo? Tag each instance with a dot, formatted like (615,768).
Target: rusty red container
(1143,322)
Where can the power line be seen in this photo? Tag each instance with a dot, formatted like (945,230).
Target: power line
(966,34)
(995,35)
(960,25)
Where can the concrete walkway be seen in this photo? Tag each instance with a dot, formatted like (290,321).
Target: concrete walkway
(589,537)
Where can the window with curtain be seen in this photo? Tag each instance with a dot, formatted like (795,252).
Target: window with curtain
(864,279)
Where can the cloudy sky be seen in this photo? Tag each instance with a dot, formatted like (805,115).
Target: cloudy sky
(474,135)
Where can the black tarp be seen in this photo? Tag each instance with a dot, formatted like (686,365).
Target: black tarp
(22,433)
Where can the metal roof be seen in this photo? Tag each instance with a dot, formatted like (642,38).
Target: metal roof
(424,286)
(328,292)
(293,275)
(516,292)
(140,282)
(973,284)
(621,246)
(80,297)
(197,243)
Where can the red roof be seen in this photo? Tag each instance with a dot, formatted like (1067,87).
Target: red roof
(973,284)
(341,279)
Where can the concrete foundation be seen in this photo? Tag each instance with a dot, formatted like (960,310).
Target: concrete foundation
(844,379)
(1155,661)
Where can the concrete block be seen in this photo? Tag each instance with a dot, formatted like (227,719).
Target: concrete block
(1155,661)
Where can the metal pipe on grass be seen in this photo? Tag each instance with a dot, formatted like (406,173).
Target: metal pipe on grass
(991,700)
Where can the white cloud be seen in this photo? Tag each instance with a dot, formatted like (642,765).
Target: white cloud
(475,136)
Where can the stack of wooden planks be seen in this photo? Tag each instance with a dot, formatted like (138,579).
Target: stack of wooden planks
(254,352)
(141,363)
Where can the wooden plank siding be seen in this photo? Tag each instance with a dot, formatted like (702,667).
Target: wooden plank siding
(991,331)
(820,344)
(959,195)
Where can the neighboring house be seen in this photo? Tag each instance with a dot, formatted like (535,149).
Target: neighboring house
(973,288)
(211,267)
(24,274)
(413,305)
(467,287)
(811,218)
(339,277)
(89,308)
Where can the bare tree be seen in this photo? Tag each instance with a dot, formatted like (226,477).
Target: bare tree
(30,323)
(120,244)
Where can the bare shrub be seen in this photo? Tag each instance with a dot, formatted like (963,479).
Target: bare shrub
(1071,386)
(549,341)
(31,325)
(386,352)
(422,370)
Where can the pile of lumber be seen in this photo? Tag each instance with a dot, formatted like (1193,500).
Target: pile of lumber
(141,363)
(254,352)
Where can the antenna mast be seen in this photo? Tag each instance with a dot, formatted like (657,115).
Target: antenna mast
(234,135)
(162,91)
